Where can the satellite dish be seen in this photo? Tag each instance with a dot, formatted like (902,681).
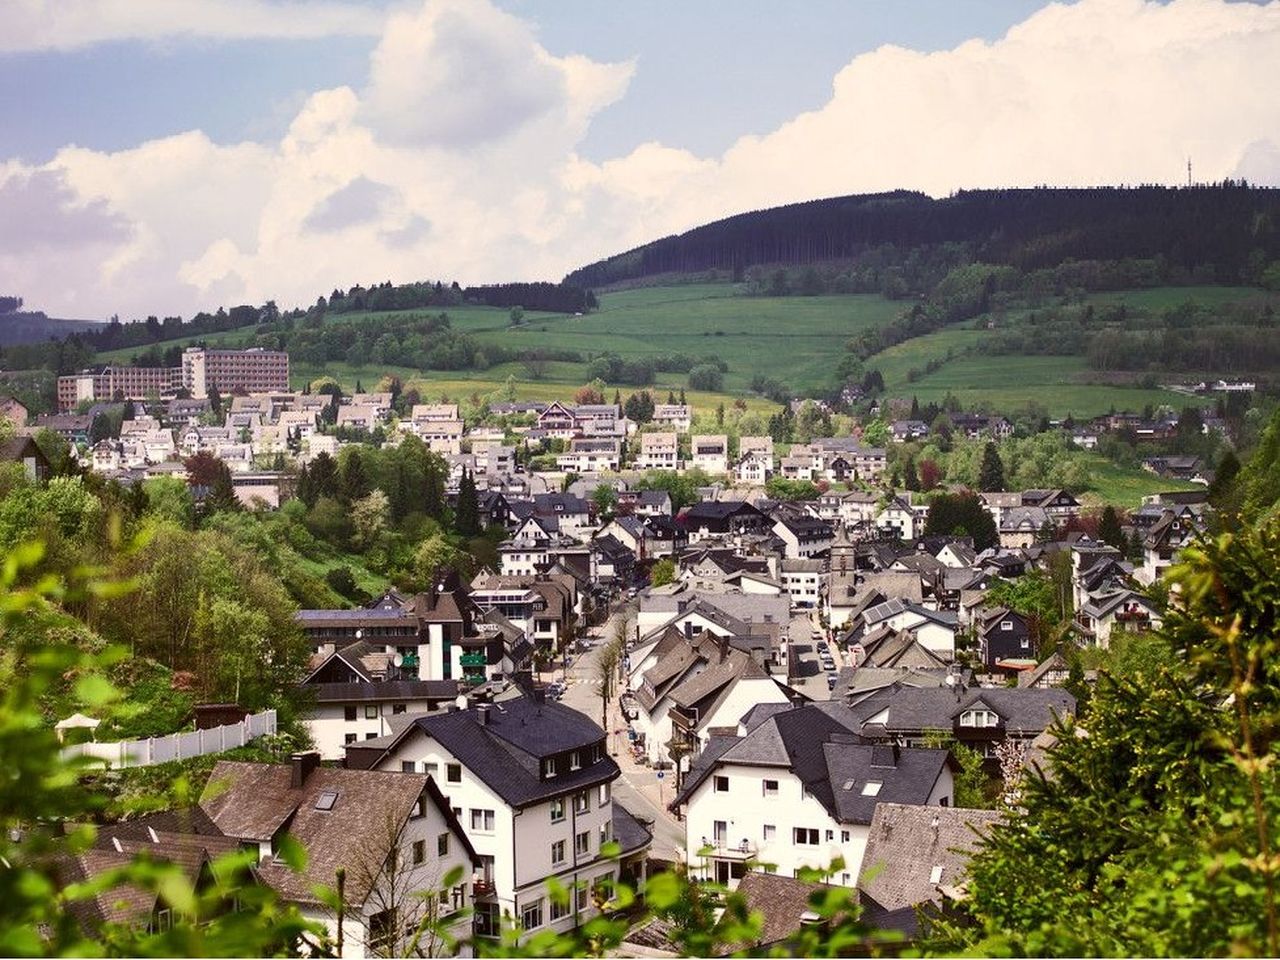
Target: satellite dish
(398,660)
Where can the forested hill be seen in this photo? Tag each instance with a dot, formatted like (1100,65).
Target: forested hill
(31,326)
(1224,233)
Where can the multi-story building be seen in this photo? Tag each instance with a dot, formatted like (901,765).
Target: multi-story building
(658,451)
(532,784)
(111,383)
(253,371)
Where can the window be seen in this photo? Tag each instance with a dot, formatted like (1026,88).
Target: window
(871,788)
(603,794)
(805,836)
(557,810)
(349,713)
(978,718)
(831,835)
(349,738)
(582,843)
(559,909)
(1006,624)
(580,896)
(935,875)
(844,836)
(371,711)
(442,845)
(482,821)
(575,761)
(370,736)
(398,708)
(406,766)
(549,767)
(606,832)
(1026,643)
(770,831)
(582,802)
(326,799)
(419,809)
(419,851)
(721,785)
(433,770)
(531,915)
(557,852)
(771,788)
(453,772)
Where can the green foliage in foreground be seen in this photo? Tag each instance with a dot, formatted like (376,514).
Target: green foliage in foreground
(1156,834)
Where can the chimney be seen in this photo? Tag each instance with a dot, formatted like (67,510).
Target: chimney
(797,700)
(482,713)
(722,643)
(302,764)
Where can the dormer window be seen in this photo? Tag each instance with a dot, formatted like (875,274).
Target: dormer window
(575,760)
(979,718)
(549,767)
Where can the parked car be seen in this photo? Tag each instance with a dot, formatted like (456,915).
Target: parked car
(832,680)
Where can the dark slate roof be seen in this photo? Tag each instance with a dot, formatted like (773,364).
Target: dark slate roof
(507,752)
(629,831)
(905,775)
(1021,710)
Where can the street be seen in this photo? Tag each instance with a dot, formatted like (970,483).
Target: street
(638,789)
(812,681)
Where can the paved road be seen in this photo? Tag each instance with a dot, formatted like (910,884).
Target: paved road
(638,789)
(812,681)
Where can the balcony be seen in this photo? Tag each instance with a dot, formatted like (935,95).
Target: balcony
(475,679)
(474,660)
(719,848)
(482,888)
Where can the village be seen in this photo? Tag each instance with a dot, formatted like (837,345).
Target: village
(747,687)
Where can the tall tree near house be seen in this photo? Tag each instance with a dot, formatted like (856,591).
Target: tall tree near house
(99,428)
(1109,531)
(355,480)
(408,902)
(910,479)
(215,400)
(467,512)
(324,478)
(222,493)
(607,664)
(991,475)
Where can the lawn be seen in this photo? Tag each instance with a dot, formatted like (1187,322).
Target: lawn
(1111,483)
(1157,299)
(1009,383)
(797,340)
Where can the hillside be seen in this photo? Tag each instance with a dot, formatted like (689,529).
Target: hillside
(1215,233)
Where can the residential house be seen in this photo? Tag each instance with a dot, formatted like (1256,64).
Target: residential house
(798,790)
(1117,610)
(591,455)
(805,582)
(710,452)
(676,416)
(1004,640)
(658,451)
(804,535)
(393,836)
(531,781)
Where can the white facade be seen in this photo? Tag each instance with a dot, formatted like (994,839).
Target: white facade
(521,849)
(765,814)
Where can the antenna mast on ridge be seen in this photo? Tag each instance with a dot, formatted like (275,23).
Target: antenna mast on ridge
(1188,171)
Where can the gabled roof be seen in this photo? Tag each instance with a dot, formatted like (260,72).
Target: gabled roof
(506,753)
(904,775)
(253,801)
(913,850)
(1021,710)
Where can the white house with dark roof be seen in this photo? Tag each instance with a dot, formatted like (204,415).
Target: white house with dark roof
(799,789)
(531,782)
(710,452)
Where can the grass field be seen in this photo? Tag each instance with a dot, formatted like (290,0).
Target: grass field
(1114,484)
(795,340)
(1010,383)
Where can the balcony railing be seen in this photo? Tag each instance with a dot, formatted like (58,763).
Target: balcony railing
(474,660)
(482,888)
(722,849)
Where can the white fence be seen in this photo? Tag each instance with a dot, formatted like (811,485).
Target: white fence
(177,746)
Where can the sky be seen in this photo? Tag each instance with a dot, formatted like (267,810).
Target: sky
(167,156)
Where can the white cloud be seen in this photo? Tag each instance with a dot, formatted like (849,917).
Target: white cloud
(459,159)
(27,25)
